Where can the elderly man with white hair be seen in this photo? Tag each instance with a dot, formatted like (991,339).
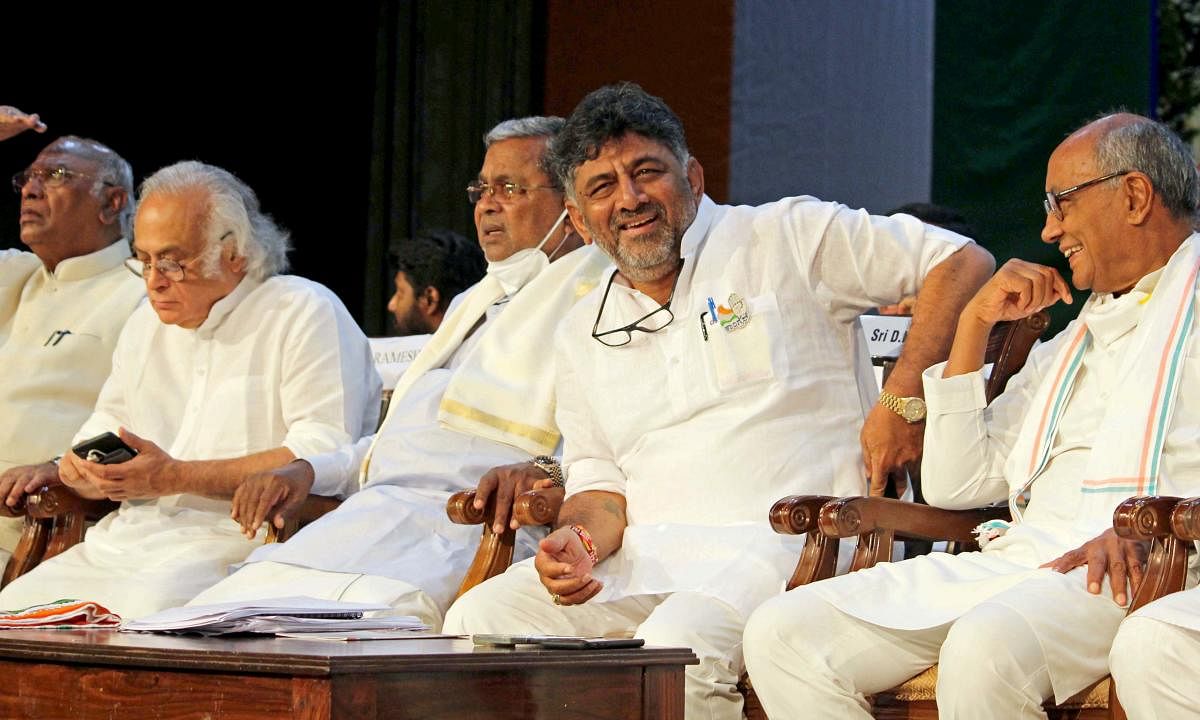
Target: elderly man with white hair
(229,370)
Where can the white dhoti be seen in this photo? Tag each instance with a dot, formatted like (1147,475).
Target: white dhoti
(516,602)
(1153,656)
(386,544)
(1039,634)
(138,560)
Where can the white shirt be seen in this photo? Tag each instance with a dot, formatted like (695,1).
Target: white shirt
(396,525)
(57,335)
(702,430)
(968,463)
(277,363)
(416,450)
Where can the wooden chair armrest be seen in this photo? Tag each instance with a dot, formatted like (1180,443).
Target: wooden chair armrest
(1153,519)
(797,514)
(461,508)
(879,521)
(533,507)
(58,500)
(313,507)
(1144,518)
(1185,520)
(538,507)
(847,517)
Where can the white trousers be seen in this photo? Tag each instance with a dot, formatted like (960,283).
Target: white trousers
(808,659)
(267,579)
(517,602)
(1154,666)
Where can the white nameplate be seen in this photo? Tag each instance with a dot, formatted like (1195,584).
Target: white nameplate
(393,355)
(885,334)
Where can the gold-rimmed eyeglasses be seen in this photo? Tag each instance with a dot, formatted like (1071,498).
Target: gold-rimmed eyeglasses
(49,177)
(504,192)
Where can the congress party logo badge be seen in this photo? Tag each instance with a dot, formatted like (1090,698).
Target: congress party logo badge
(734,317)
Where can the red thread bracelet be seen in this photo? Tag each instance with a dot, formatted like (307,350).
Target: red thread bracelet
(589,546)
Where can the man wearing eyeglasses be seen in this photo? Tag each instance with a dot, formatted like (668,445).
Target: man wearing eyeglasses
(711,375)
(480,395)
(231,368)
(62,306)
(1104,411)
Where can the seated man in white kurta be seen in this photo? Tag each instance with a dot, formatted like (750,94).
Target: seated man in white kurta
(62,306)
(1108,409)
(710,375)
(480,394)
(229,369)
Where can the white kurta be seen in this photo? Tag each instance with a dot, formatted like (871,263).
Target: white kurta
(277,363)
(702,429)
(396,527)
(1181,609)
(968,463)
(57,335)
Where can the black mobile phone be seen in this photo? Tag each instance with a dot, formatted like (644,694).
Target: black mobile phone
(106,449)
(591,643)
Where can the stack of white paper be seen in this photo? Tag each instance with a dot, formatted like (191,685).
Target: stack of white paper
(271,616)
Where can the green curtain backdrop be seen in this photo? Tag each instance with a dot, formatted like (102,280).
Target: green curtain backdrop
(1011,80)
(445,73)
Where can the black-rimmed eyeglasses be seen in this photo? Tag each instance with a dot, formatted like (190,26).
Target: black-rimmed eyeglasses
(1050,204)
(651,322)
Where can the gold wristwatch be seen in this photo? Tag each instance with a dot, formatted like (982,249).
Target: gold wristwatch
(912,409)
(551,467)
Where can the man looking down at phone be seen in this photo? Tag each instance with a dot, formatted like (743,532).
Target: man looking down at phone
(1108,409)
(230,369)
(709,375)
(62,306)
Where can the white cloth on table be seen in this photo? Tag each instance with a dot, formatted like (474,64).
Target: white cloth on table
(276,363)
(57,334)
(969,461)
(396,526)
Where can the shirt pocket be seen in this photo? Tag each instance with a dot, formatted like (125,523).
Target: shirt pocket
(749,349)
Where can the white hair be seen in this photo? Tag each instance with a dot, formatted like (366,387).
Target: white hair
(232,215)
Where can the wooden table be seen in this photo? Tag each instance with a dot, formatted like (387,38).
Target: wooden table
(89,674)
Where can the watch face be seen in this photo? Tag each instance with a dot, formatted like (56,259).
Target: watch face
(914,409)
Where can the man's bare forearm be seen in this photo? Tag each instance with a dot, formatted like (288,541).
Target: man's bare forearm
(220,478)
(602,514)
(946,290)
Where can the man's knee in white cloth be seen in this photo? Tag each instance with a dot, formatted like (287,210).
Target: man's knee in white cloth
(991,654)
(710,627)
(513,601)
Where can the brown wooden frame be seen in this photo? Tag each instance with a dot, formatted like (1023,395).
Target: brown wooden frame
(877,522)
